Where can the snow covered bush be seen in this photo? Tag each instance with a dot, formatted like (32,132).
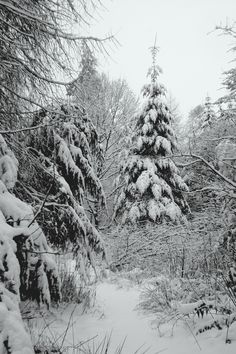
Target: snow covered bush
(153,188)
(162,294)
(203,302)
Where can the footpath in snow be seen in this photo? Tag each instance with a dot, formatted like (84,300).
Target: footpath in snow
(115,314)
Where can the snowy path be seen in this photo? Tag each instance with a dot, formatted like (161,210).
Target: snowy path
(119,317)
(117,314)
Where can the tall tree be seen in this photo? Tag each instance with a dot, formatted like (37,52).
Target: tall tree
(35,49)
(85,89)
(153,189)
(192,127)
(110,104)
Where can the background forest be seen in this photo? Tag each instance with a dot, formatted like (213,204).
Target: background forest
(95,177)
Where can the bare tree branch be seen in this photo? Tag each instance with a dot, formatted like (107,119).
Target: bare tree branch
(22,129)
(227,180)
(230,137)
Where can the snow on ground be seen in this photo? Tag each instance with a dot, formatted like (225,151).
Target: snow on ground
(115,314)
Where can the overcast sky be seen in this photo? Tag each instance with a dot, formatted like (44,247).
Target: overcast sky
(191,55)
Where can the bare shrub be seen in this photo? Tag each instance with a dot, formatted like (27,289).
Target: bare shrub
(175,250)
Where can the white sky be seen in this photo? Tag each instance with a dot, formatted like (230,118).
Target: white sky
(192,59)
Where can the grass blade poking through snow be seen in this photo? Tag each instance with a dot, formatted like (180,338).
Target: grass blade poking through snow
(105,347)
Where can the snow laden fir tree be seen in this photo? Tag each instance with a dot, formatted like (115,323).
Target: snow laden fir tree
(153,188)
(59,179)
(65,146)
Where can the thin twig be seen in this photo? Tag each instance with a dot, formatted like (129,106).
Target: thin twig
(40,209)
(23,129)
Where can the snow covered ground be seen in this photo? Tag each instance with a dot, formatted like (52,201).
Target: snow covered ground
(115,314)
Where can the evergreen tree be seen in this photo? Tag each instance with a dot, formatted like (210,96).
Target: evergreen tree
(85,89)
(208,114)
(27,266)
(153,188)
(61,153)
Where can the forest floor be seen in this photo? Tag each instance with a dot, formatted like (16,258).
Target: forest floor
(115,316)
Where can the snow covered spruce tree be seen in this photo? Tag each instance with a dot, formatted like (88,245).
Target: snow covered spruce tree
(27,267)
(153,189)
(208,115)
(64,148)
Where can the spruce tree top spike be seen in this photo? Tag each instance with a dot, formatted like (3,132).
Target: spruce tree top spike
(207,103)
(155,69)
(207,99)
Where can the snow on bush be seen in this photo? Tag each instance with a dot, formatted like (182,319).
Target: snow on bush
(196,299)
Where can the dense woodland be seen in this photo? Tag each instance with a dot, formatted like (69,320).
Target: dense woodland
(90,172)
